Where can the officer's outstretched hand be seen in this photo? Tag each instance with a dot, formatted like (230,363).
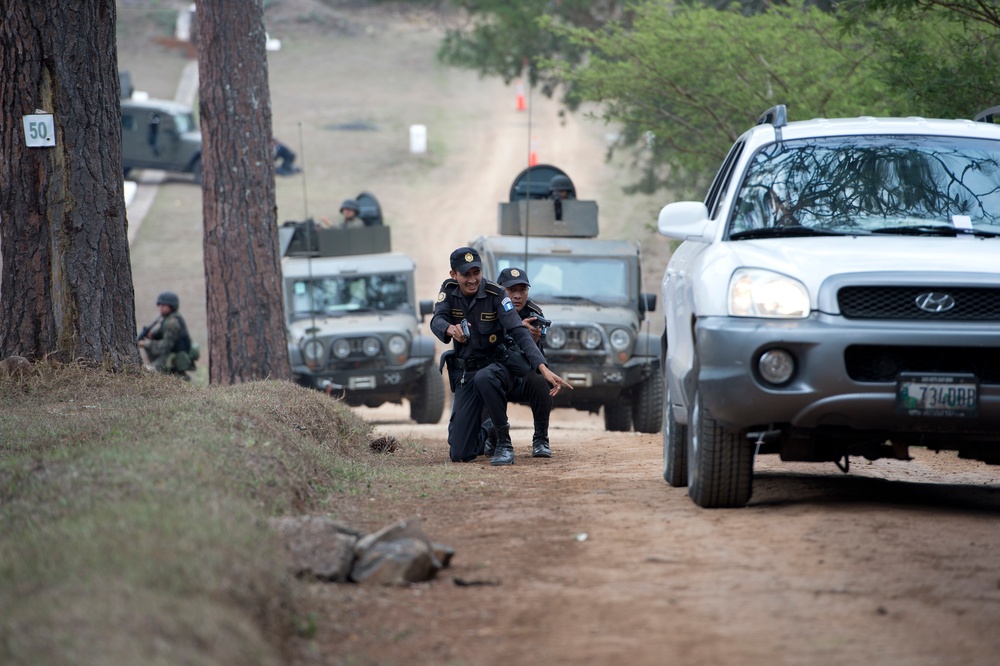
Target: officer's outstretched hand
(553,379)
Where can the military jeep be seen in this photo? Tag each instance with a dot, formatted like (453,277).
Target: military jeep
(160,134)
(591,290)
(354,326)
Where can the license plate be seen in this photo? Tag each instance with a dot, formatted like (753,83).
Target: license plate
(931,394)
(366,382)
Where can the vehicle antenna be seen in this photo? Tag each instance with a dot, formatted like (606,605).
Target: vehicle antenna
(305,196)
(527,207)
(311,239)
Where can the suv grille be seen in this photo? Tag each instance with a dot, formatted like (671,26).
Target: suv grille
(881,363)
(967,303)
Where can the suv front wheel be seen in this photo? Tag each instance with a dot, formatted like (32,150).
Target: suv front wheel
(720,462)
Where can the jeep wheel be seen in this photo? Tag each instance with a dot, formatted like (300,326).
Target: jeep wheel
(617,416)
(428,403)
(647,408)
(720,462)
(675,470)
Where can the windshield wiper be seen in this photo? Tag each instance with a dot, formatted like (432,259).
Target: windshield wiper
(934,230)
(784,232)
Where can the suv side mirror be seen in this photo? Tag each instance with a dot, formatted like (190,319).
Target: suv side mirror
(426,308)
(647,302)
(686,221)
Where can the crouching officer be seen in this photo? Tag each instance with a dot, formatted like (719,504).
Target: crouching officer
(167,341)
(529,387)
(478,315)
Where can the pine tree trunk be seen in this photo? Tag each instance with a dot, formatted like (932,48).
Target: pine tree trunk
(66,278)
(246,329)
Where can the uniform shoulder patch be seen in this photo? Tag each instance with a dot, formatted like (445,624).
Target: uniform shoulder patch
(507,305)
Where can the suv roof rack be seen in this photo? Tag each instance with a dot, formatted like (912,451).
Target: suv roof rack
(988,115)
(776,115)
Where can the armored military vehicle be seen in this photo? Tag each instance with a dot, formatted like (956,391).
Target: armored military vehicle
(591,290)
(160,134)
(354,325)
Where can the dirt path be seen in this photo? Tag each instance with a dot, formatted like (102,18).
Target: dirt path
(587,558)
(591,559)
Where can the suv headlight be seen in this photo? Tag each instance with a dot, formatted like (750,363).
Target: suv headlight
(371,346)
(620,339)
(312,352)
(590,338)
(556,338)
(397,345)
(342,348)
(754,292)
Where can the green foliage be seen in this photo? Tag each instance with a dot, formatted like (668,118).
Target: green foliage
(505,38)
(941,57)
(684,83)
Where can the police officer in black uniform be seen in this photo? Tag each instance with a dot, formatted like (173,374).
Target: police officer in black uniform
(532,387)
(478,315)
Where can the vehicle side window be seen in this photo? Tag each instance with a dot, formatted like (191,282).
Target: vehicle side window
(128,122)
(722,180)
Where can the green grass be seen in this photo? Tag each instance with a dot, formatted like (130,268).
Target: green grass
(134,509)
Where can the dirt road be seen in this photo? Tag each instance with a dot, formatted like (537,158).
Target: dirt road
(587,558)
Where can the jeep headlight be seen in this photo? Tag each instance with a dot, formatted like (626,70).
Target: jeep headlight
(556,338)
(342,348)
(754,292)
(397,345)
(620,339)
(371,346)
(590,338)
(312,352)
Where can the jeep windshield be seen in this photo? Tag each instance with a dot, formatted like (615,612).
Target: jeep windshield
(350,294)
(570,279)
(861,185)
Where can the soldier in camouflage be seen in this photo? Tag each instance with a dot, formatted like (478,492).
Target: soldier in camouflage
(168,345)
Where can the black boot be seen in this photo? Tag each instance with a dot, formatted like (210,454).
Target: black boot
(504,453)
(487,438)
(540,442)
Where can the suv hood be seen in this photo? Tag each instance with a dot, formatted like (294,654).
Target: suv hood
(813,261)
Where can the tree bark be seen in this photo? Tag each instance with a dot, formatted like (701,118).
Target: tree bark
(66,278)
(246,329)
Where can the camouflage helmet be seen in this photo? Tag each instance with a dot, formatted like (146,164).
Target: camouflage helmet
(169,298)
(560,182)
(350,204)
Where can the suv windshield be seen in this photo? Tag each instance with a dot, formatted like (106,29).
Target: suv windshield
(567,278)
(347,294)
(861,185)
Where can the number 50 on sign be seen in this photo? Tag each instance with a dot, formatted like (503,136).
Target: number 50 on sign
(39,130)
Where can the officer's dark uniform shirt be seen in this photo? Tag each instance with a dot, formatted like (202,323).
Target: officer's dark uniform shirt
(490,314)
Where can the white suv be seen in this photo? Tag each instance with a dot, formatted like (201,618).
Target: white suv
(836,294)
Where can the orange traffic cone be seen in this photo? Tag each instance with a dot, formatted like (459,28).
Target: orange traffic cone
(521,105)
(533,153)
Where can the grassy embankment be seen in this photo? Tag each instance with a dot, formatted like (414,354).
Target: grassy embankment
(134,513)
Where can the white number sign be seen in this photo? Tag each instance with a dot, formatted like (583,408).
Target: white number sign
(39,130)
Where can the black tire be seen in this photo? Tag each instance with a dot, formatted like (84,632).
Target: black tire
(720,462)
(126,171)
(196,171)
(617,416)
(428,403)
(675,470)
(647,408)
